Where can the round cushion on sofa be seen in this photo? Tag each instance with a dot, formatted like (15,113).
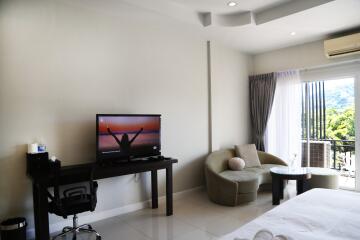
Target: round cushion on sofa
(247,181)
(323,178)
(236,163)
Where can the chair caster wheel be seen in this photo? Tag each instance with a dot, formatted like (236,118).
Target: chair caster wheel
(98,238)
(90,227)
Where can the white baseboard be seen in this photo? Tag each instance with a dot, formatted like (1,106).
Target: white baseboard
(101,215)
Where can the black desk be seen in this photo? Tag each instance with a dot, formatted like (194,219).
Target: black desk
(79,173)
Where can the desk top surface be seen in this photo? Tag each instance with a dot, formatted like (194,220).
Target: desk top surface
(79,172)
(124,164)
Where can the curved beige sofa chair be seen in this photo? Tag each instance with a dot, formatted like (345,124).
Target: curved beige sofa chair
(324,178)
(231,188)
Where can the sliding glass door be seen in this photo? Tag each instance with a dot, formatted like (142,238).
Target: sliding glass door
(357,125)
(328,127)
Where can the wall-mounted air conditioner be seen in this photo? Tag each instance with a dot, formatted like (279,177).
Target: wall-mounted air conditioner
(342,46)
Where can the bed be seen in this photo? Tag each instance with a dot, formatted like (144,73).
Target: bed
(319,214)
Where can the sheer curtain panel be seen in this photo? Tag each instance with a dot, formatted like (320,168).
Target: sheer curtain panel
(283,132)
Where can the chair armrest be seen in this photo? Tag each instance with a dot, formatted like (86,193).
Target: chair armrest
(267,158)
(220,189)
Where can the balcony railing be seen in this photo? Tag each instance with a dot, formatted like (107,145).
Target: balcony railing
(343,154)
(340,155)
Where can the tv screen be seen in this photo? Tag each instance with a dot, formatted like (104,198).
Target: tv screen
(127,136)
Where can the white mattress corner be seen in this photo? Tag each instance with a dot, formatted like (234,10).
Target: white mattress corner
(318,214)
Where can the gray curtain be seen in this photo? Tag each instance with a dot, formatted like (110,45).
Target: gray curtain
(262,91)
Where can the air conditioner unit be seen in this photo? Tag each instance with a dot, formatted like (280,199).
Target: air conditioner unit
(342,46)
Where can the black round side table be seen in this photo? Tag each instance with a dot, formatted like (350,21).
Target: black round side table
(279,174)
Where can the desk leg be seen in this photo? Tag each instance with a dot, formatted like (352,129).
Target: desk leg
(41,216)
(169,191)
(154,189)
(276,190)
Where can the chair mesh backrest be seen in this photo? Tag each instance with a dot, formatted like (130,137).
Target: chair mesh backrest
(77,189)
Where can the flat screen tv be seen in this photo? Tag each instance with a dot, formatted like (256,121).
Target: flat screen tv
(127,136)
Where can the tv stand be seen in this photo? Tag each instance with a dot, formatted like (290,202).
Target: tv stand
(79,173)
(117,161)
(158,158)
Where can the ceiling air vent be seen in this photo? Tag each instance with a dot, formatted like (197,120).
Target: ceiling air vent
(342,46)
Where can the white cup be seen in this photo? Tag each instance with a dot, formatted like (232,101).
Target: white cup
(33,148)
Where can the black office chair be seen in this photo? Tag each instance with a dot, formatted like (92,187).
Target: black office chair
(74,200)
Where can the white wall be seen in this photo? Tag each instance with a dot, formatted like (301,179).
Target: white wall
(61,64)
(230,93)
(63,61)
(296,57)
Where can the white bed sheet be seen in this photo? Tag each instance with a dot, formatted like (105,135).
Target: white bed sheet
(318,214)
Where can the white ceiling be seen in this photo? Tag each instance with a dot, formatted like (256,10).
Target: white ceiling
(220,6)
(262,25)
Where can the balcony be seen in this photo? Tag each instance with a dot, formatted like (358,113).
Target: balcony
(335,154)
(328,114)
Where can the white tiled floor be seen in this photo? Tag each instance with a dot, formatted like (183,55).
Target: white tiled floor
(195,217)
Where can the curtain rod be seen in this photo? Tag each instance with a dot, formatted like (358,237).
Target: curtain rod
(329,65)
(305,69)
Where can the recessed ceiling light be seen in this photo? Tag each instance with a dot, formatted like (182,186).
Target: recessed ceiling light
(232,4)
(293,33)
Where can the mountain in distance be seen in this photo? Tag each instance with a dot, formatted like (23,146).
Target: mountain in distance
(339,94)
